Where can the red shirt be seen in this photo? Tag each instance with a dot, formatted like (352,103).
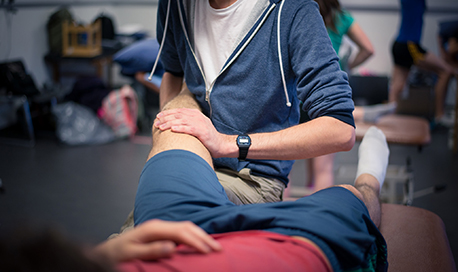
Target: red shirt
(252,251)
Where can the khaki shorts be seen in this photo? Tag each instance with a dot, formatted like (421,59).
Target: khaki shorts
(244,188)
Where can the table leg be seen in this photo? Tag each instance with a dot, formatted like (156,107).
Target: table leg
(455,127)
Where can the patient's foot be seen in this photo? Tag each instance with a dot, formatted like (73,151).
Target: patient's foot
(372,113)
(373,155)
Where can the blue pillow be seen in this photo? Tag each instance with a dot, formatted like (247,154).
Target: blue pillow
(139,57)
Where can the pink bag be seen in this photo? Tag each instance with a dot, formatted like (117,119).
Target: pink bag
(120,110)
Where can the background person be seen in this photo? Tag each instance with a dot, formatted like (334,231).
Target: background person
(448,49)
(340,23)
(407,51)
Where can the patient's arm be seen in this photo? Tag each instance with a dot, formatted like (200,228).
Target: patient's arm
(156,239)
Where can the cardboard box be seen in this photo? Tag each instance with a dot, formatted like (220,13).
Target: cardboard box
(81,41)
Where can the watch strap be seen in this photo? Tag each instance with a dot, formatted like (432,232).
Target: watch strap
(243,152)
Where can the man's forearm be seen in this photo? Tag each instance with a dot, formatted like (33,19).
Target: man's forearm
(317,137)
(170,87)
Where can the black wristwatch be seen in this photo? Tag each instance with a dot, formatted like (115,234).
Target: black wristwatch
(243,142)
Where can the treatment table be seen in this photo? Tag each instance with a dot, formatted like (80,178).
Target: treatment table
(399,129)
(416,240)
(415,237)
(403,130)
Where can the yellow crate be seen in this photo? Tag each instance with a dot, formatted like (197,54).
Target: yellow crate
(81,41)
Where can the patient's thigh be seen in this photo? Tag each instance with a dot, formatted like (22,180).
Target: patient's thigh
(175,184)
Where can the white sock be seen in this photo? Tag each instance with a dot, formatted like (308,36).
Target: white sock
(373,113)
(373,155)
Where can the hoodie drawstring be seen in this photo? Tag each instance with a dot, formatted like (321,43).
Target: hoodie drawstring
(162,43)
(288,104)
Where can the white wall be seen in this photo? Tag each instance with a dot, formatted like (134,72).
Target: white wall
(28,39)
(432,4)
(382,27)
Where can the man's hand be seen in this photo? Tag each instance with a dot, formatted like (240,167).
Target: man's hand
(156,239)
(195,123)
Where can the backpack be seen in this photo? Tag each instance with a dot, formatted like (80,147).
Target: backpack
(16,80)
(120,111)
(88,91)
(54,29)
(108,28)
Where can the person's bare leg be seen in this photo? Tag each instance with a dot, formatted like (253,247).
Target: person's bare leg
(397,83)
(322,172)
(444,71)
(440,92)
(373,156)
(358,113)
(433,63)
(372,113)
(168,140)
(369,187)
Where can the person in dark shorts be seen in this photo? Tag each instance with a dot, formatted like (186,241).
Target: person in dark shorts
(448,51)
(340,23)
(448,41)
(407,51)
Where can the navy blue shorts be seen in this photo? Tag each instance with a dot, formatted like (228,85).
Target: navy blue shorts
(178,185)
(406,54)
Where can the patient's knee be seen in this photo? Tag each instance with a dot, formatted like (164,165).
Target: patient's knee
(185,99)
(352,189)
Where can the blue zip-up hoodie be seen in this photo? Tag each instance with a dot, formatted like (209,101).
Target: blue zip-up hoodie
(285,60)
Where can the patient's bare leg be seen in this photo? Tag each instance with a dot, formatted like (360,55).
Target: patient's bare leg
(373,156)
(167,140)
(369,188)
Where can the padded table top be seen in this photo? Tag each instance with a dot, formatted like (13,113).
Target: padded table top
(416,240)
(399,129)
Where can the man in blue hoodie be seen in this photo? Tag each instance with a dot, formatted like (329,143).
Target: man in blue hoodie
(251,66)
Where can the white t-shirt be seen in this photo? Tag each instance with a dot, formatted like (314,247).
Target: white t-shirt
(216,32)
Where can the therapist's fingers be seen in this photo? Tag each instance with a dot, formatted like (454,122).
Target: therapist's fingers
(182,116)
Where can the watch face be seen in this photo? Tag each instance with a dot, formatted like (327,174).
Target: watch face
(244,140)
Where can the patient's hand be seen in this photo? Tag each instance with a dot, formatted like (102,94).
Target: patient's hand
(156,239)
